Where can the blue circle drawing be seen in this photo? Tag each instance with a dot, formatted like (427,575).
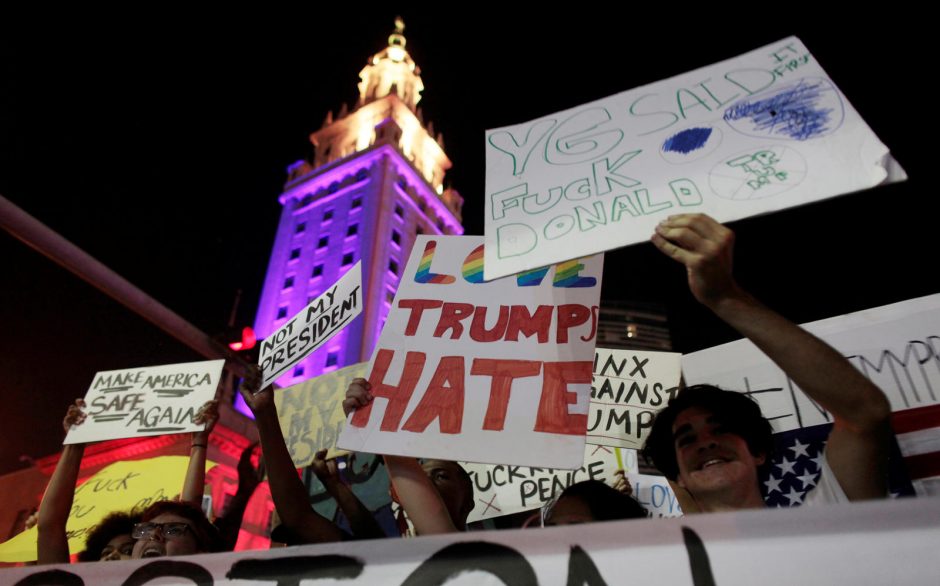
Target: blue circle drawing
(809,108)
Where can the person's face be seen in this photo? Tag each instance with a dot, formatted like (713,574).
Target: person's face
(157,543)
(119,548)
(568,511)
(449,481)
(711,458)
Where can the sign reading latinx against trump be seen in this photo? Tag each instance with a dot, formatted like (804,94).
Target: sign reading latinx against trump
(496,372)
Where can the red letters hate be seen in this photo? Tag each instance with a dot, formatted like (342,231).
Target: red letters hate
(443,400)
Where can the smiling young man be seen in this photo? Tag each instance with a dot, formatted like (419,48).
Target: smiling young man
(712,442)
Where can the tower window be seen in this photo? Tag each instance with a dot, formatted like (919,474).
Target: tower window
(327,215)
(332,358)
(393,267)
(324,241)
(289,282)
(352,230)
(399,211)
(295,254)
(317,271)
(300,228)
(282,312)
(357,202)
(396,237)
(347,259)
(299,370)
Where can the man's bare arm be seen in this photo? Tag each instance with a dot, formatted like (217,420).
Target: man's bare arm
(858,445)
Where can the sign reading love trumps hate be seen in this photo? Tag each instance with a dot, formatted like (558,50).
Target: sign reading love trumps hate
(496,372)
(138,402)
(312,327)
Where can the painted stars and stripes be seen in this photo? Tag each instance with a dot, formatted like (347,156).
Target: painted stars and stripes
(797,459)
(795,467)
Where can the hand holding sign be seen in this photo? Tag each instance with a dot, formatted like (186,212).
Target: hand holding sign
(75,415)
(706,248)
(258,400)
(208,414)
(357,395)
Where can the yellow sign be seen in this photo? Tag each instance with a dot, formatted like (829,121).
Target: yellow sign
(122,486)
(311,413)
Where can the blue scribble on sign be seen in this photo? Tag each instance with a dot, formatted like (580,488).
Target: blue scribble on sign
(798,112)
(687,140)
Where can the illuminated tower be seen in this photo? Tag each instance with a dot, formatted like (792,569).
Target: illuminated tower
(376,181)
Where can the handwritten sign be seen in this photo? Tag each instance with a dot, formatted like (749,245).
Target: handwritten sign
(311,413)
(628,388)
(504,490)
(479,371)
(312,327)
(761,132)
(896,346)
(874,542)
(121,486)
(655,494)
(138,402)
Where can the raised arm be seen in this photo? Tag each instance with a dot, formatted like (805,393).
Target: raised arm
(288,492)
(52,546)
(249,478)
(361,521)
(195,483)
(857,450)
(416,493)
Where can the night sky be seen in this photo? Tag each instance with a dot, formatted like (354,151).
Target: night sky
(158,144)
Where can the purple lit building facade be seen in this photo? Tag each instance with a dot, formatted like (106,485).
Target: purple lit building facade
(375,182)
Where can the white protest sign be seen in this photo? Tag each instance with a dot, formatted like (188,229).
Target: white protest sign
(628,388)
(761,132)
(896,346)
(873,542)
(312,326)
(311,413)
(503,490)
(137,402)
(655,494)
(495,372)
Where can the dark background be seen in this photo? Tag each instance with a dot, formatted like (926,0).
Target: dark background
(158,143)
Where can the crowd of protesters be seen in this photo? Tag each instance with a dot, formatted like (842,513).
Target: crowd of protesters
(710,443)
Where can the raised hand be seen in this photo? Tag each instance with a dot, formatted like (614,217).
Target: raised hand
(75,415)
(706,249)
(357,395)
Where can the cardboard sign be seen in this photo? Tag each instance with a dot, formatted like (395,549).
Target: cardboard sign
(761,132)
(875,542)
(494,372)
(896,346)
(138,402)
(311,413)
(655,494)
(628,388)
(504,490)
(312,326)
(122,486)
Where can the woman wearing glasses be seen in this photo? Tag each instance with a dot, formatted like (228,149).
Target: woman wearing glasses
(170,528)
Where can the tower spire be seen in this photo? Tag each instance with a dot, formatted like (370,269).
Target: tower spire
(392,71)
